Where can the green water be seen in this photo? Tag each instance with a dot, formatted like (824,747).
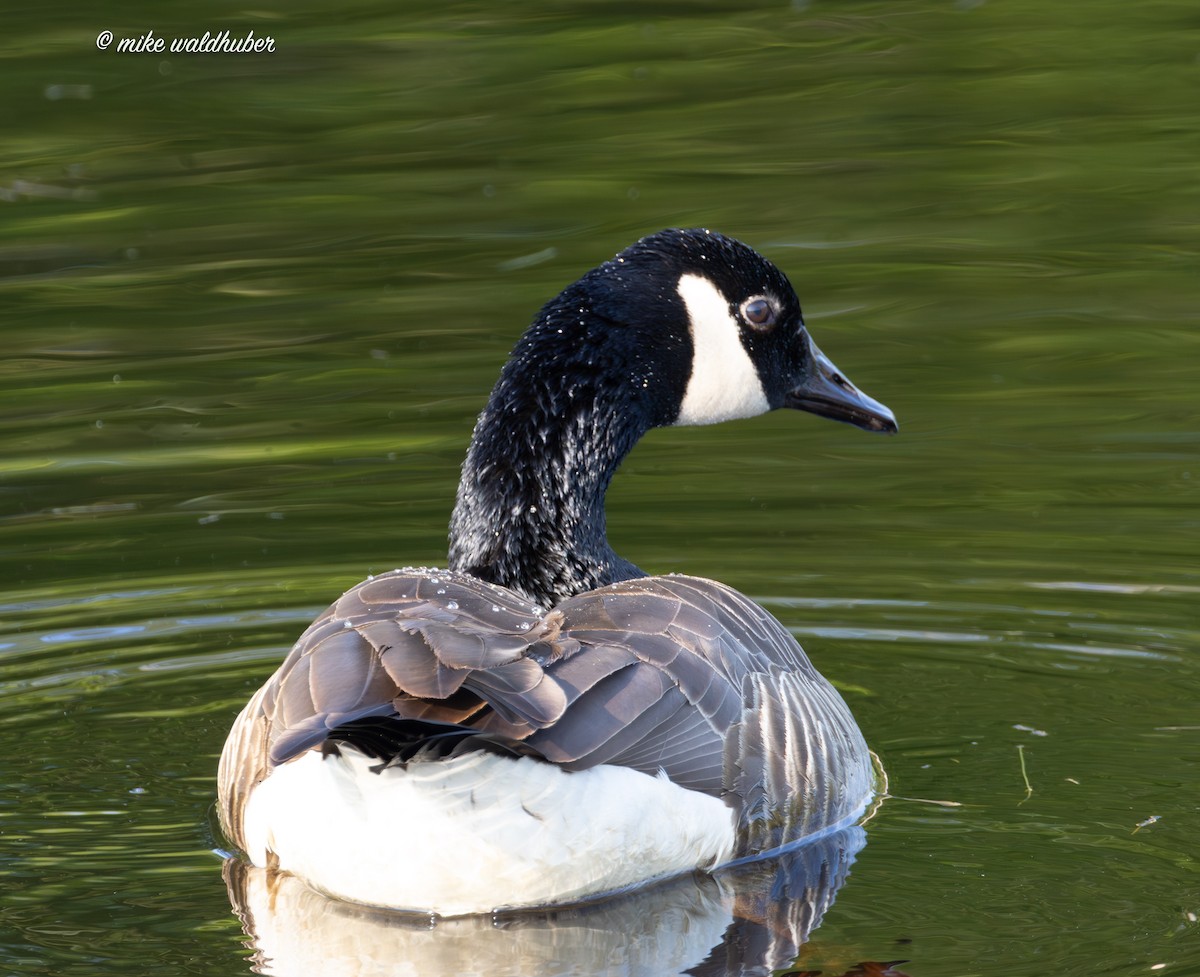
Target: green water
(250,306)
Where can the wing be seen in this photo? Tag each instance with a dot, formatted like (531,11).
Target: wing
(663,674)
(692,678)
(414,643)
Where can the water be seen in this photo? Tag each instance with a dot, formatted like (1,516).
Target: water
(251,305)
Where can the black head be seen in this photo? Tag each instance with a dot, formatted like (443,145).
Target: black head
(712,330)
(683,327)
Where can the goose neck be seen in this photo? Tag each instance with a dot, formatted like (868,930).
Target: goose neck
(530,507)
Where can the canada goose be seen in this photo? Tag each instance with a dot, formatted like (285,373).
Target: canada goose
(543,722)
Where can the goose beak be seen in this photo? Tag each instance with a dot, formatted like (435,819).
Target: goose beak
(827,392)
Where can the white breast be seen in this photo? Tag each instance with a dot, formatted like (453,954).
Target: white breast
(478,832)
(724,383)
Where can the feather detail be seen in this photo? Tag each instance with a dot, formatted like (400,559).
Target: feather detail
(673,675)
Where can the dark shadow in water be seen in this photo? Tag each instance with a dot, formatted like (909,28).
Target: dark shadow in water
(745,920)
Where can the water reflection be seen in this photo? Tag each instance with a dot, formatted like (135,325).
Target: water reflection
(746,920)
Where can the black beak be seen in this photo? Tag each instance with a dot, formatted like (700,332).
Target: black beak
(825,391)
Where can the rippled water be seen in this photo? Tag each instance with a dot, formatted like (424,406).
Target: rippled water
(250,307)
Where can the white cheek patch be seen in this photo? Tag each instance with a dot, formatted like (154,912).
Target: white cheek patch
(724,383)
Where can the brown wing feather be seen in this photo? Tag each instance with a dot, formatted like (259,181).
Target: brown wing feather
(778,743)
(671,674)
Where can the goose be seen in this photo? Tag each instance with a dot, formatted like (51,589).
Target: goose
(543,723)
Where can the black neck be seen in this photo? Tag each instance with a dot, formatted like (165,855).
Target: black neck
(568,407)
(530,510)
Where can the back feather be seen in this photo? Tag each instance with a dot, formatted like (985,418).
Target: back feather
(673,674)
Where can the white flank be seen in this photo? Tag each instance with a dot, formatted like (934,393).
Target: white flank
(724,383)
(478,832)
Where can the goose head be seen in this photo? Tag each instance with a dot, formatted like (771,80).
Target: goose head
(684,327)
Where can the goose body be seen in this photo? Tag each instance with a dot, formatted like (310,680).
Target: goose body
(543,722)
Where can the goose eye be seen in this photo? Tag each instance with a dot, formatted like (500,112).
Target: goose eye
(759,312)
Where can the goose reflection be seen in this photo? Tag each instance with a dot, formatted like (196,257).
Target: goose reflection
(748,919)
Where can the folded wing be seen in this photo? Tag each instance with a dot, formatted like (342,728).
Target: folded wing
(662,674)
